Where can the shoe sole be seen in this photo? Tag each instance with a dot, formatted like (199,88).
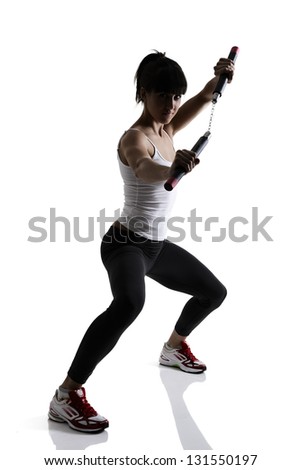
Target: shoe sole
(188,371)
(55,417)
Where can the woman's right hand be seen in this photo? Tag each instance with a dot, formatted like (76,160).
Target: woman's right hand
(185,159)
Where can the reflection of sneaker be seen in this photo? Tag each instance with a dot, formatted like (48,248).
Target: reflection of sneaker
(77,412)
(182,358)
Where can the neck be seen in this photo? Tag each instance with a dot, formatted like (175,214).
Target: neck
(146,121)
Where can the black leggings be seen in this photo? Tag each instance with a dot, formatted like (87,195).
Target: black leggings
(128,258)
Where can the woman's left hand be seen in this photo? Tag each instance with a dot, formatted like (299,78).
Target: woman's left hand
(225,66)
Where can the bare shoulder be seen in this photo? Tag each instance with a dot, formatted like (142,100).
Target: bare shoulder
(133,137)
(133,145)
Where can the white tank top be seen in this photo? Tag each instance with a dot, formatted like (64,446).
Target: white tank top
(147,206)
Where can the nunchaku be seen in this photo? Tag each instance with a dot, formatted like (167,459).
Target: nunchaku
(204,139)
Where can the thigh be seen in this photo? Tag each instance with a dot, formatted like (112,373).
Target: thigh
(126,271)
(179,270)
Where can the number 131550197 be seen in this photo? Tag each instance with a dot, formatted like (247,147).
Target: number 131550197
(226,459)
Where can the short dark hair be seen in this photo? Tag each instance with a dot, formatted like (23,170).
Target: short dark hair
(158,73)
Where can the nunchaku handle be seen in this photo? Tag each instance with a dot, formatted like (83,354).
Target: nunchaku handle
(179,172)
(203,141)
(223,79)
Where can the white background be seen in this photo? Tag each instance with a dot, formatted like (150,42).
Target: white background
(67,94)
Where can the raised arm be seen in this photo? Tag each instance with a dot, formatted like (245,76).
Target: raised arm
(189,110)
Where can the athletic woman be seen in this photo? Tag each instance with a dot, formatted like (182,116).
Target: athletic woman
(135,245)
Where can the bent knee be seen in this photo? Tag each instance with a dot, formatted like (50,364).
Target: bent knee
(219,295)
(130,305)
(124,310)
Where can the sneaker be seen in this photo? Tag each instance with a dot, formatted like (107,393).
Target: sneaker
(182,358)
(76,412)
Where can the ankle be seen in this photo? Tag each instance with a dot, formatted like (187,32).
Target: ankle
(175,340)
(70,384)
(173,345)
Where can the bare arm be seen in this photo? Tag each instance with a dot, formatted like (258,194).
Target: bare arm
(189,110)
(137,152)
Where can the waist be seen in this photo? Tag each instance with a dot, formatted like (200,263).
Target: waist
(123,229)
(119,238)
(119,228)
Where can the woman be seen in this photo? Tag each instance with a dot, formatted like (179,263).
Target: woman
(135,246)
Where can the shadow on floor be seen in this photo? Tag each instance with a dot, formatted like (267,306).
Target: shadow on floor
(176,383)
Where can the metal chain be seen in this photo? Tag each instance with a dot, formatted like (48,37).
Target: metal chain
(211,117)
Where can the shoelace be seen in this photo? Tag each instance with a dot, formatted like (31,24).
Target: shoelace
(83,406)
(187,351)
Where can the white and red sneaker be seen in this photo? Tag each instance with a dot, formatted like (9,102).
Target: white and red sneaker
(182,358)
(75,410)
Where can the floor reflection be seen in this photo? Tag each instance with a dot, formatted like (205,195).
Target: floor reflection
(65,438)
(176,383)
